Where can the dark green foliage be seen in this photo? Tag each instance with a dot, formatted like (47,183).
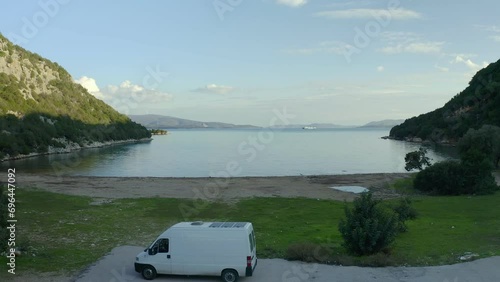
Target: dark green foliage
(3,219)
(443,178)
(158,131)
(35,132)
(471,176)
(479,153)
(477,105)
(368,228)
(485,141)
(405,211)
(417,160)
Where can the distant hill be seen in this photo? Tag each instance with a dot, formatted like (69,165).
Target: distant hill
(384,123)
(42,110)
(477,105)
(168,122)
(312,125)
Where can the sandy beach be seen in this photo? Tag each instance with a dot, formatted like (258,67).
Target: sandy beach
(212,189)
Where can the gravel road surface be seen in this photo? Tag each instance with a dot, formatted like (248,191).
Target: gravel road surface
(118,266)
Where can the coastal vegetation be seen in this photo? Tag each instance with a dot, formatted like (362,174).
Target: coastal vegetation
(477,105)
(479,155)
(158,131)
(417,160)
(63,233)
(42,108)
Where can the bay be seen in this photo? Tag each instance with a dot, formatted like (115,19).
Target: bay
(234,152)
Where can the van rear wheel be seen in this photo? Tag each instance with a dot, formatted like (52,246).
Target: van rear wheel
(229,275)
(148,272)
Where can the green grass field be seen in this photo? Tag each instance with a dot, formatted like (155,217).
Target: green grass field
(64,233)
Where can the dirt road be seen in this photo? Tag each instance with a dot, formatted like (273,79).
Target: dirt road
(119,266)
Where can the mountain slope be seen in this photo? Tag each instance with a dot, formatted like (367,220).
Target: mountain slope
(384,123)
(160,121)
(477,105)
(41,108)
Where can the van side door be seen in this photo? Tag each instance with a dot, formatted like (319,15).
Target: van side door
(160,254)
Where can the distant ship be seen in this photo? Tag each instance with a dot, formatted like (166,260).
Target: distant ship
(309,127)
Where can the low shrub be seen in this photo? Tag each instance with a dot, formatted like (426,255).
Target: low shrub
(308,252)
(405,212)
(368,227)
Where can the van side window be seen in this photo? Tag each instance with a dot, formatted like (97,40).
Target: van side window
(160,246)
(251,241)
(163,246)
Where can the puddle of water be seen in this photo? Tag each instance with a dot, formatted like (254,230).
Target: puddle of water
(351,189)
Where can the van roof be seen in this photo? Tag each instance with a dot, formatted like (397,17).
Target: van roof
(201,224)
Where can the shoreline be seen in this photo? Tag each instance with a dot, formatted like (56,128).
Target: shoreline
(70,148)
(105,189)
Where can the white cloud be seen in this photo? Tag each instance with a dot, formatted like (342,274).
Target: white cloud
(442,69)
(469,63)
(492,29)
(334,47)
(292,3)
(393,14)
(91,86)
(408,42)
(414,47)
(126,96)
(215,89)
(380,68)
(495,38)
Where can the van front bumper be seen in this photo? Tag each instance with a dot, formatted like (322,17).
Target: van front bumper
(138,267)
(249,270)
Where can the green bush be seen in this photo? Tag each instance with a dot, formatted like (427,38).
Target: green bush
(368,227)
(471,176)
(443,178)
(405,211)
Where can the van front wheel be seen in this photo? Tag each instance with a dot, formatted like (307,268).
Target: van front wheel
(148,272)
(229,275)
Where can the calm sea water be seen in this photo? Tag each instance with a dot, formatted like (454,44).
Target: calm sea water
(255,152)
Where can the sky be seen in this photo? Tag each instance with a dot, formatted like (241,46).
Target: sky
(247,61)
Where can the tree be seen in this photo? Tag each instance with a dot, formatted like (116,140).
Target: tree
(417,160)
(368,227)
(485,141)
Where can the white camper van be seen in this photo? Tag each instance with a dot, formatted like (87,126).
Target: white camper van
(225,249)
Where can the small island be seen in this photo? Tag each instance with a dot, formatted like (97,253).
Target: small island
(158,132)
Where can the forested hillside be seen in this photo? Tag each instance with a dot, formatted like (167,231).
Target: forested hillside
(43,110)
(477,105)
